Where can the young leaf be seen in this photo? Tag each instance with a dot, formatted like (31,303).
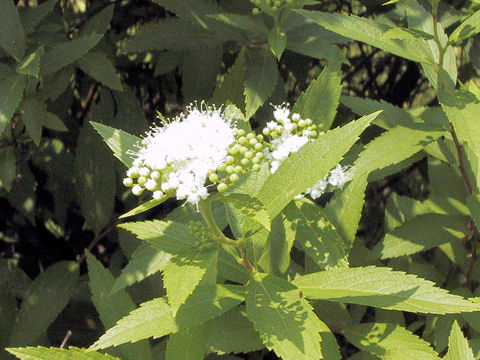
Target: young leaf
(43,353)
(30,108)
(99,67)
(65,54)
(188,344)
(320,101)
(12,36)
(294,177)
(32,16)
(277,41)
(367,31)
(99,23)
(468,28)
(458,347)
(389,342)
(154,318)
(421,233)
(186,268)
(398,291)
(11,94)
(260,79)
(285,321)
(145,261)
(118,141)
(31,64)
(49,293)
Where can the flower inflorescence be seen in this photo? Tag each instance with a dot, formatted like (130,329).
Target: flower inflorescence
(204,148)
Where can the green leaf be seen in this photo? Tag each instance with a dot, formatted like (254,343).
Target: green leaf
(390,342)
(11,94)
(277,41)
(392,147)
(51,121)
(294,177)
(99,23)
(150,204)
(232,332)
(229,89)
(30,108)
(31,64)
(49,293)
(399,291)
(145,261)
(468,28)
(118,141)
(32,16)
(316,235)
(458,347)
(112,308)
(285,321)
(367,31)
(8,166)
(242,22)
(66,53)
(260,79)
(188,344)
(320,101)
(186,268)
(12,36)
(43,353)
(95,179)
(401,33)
(473,202)
(99,67)
(171,237)
(154,318)
(421,233)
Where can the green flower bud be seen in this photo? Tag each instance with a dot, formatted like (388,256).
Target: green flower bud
(142,180)
(137,190)
(242,141)
(128,182)
(260,137)
(155,175)
(234,178)
(222,167)
(222,187)
(230,169)
(253,141)
(255,11)
(243,150)
(256,167)
(259,155)
(234,149)
(250,136)
(266,131)
(238,169)
(256,160)
(249,155)
(213,177)
(244,161)
(144,171)
(278,3)
(240,132)
(229,160)
(258,146)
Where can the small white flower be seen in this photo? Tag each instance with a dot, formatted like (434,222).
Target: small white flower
(284,146)
(338,177)
(281,113)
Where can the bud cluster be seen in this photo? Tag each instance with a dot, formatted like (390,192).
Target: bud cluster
(272,4)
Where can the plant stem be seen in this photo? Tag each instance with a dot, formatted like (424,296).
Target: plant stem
(205,208)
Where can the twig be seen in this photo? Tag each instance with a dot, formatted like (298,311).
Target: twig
(67,336)
(96,239)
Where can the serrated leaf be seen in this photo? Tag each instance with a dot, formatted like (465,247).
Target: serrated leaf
(31,64)
(72,353)
(232,332)
(316,235)
(392,147)
(188,344)
(468,28)
(390,342)
(99,23)
(401,33)
(11,94)
(261,76)
(99,67)
(320,101)
(458,347)
(294,177)
(32,16)
(112,308)
(49,293)
(398,291)
(66,53)
(242,22)
(169,236)
(30,108)
(154,318)
(8,166)
(277,41)
(145,261)
(95,179)
(229,89)
(421,233)
(169,34)
(118,141)
(12,36)
(186,268)
(285,321)
(367,31)
(150,204)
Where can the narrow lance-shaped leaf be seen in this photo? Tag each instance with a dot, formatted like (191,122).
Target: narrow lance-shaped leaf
(12,36)
(188,344)
(72,353)
(458,347)
(399,291)
(11,93)
(99,67)
(468,28)
(294,177)
(30,108)
(32,16)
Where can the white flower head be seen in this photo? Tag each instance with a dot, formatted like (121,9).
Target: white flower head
(339,176)
(281,112)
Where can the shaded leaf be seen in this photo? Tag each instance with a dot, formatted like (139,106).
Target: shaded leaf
(99,23)
(7,166)
(32,16)
(43,353)
(277,41)
(188,344)
(12,36)
(30,108)
(99,67)
(11,94)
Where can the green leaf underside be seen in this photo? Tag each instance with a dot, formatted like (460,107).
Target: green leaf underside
(145,261)
(171,237)
(11,93)
(294,176)
(72,353)
(285,321)
(458,347)
(186,268)
(154,318)
(367,31)
(112,308)
(421,233)
(383,288)
(390,342)
(12,36)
